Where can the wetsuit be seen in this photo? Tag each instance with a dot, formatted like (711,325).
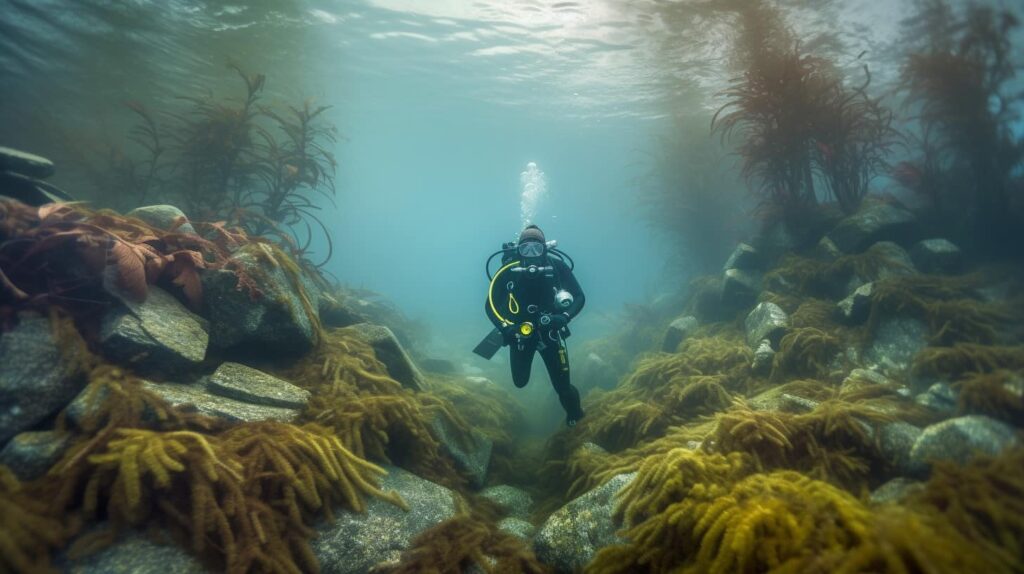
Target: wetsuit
(520,298)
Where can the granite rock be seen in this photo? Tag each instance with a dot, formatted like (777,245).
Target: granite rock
(678,331)
(961,439)
(163,217)
(766,321)
(156,335)
(30,454)
(249,385)
(876,221)
(937,256)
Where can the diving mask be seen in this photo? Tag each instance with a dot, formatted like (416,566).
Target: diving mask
(531,249)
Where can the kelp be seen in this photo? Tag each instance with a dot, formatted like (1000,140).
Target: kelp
(805,352)
(999,394)
(780,522)
(28,531)
(798,275)
(962,358)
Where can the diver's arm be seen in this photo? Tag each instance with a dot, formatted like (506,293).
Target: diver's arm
(570,284)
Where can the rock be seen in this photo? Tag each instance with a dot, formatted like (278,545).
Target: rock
(895,490)
(874,222)
(196,397)
(249,385)
(937,256)
(30,454)
(338,311)
(854,309)
(25,163)
(764,355)
(439,366)
(858,376)
(573,534)
(940,397)
(897,340)
(774,241)
(134,553)
(356,543)
(826,250)
(163,217)
(895,442)
(159,334)
(797,404)
(38,375)
(766,321)
(473,458)
(775,399)
(894,261)
(743,257)
(274,322)
(390,352)
(30,191)
(740,287)
(514,501)
(517,527)
(678,330)
(961,439)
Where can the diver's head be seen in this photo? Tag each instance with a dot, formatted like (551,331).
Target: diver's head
(532,243)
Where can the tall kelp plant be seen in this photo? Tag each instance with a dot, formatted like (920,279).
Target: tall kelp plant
(959,79)
(800,123)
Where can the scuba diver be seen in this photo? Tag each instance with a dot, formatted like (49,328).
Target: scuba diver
(530,301)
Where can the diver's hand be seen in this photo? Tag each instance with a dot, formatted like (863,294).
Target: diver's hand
(508,333)
(559,320)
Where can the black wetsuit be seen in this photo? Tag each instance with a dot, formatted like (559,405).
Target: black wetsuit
(520,297)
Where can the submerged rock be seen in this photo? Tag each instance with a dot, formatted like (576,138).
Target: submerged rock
(275,320)
(30,454)
(249,385)
(894,261)
(356,543)
(514,501)
(473,457)
(859,376)
(163,217)
(198,398)
(134,553)
(875,222)
(854,309)
(940,397)
(766,321)
(897,340)
(678,331)
(573,534)
(961,439)
(159,334)
(743,257)
(517,527)
(38,375)
(740,287)
(764,355)
(937,256)
(390,352)
(895,441)
(24,163)
(895,490)
(826,250)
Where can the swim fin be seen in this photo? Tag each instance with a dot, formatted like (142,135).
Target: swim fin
(490,344)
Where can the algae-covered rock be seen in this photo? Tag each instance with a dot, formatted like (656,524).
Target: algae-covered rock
(249,385)
(156,335)
(740,287)
(38,375)
(517,527)
(896,341)
(573,534)
(891,261)
(514,501)
(960,440)
(895,490)
(274,320)
(198,398)
(766,321)
(826,250)
(856,306)
(940,397)
(743,257)
(30,454)
(133,552)
(473,456)
(390,352)
(24,163)
(895,441)
(764,355)
(937,256)
(356,543)
(163,217)
(678,330)
(874,222)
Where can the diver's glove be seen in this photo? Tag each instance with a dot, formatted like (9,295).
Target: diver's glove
(559,320)
(508,333)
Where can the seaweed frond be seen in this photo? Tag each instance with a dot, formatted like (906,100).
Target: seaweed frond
(28,531)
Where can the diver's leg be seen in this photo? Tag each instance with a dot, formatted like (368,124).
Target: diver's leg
(521,361)
(556,359)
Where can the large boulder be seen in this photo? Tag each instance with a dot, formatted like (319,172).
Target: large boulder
(273,318)
(937,256)
(249,385)
(156,335)
(892,261)
(743,257)
(939,397)
(895,441)
(30,454)
(961,439)
(517,527)
(897,340)
(573,534)
(472,455)
(766,321)
(24,163)
(133,552)
(679,330)
(356,543)
(513,501)
(876,221)
(740,287)
(38,375)
(390,352)
(165,217)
